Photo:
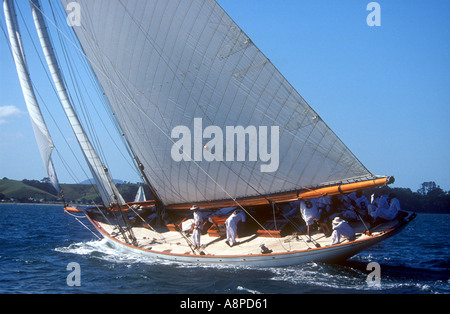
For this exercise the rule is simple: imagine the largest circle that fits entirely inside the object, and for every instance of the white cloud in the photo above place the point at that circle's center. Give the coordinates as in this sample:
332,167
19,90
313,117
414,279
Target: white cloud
9,111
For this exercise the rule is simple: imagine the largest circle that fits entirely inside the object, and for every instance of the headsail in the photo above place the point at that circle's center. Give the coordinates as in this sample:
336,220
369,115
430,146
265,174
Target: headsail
107,189
41,132
140,195
164,64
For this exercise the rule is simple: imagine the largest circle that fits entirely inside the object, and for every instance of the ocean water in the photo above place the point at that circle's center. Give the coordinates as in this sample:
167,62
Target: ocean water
37,242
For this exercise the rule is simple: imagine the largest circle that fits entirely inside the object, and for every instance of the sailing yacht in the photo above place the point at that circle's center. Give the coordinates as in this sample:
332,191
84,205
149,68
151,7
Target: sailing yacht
210,122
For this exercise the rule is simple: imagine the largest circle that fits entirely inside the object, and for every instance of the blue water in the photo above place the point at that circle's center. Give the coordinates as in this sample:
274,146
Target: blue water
38,242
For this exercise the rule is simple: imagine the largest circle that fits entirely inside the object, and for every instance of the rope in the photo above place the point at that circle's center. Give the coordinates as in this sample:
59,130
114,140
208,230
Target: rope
76,218
137,214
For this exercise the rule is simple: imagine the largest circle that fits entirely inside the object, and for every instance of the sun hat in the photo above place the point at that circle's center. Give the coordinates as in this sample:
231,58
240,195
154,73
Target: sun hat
337,221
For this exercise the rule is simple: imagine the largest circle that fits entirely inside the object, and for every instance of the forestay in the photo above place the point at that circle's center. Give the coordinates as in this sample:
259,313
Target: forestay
162,64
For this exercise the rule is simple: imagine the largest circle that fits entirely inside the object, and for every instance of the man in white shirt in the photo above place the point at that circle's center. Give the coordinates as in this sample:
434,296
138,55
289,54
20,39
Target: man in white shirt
197,226
394,205
362,204
341,229
384,210
232,224
311,214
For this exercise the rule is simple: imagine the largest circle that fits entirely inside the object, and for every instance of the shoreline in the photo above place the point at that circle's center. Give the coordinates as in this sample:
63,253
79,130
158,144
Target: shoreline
44,204
87,205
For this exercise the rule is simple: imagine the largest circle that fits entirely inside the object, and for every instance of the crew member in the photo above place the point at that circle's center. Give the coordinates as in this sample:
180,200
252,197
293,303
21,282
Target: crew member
362,204
394,205
385,210
311,215
341,229
197,226
231,224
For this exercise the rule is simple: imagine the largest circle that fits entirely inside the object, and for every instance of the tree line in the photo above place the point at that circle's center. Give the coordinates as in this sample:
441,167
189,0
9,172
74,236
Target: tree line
429,198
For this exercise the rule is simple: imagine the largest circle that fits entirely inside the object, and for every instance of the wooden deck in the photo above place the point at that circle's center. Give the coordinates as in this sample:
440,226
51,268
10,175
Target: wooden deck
175,242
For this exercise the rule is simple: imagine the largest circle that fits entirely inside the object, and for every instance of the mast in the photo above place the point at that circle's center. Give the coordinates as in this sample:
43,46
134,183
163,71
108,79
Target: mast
159,204
43,138
107,189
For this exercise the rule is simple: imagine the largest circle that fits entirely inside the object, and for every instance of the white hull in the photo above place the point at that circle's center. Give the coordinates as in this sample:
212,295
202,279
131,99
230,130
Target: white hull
329,253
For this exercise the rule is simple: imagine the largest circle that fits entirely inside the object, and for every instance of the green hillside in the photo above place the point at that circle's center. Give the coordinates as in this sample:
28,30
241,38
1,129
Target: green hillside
37,191
19,191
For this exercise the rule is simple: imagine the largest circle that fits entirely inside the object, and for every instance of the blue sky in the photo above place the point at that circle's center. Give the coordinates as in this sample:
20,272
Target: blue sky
385,91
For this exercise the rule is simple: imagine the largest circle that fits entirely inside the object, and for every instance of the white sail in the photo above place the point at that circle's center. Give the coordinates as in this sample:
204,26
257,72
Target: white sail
164,64
107,189
41,132
140,195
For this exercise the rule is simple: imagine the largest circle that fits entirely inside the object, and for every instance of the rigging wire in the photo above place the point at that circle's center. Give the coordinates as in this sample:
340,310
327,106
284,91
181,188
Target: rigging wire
53,87
71,76
79,81
77,218
64,162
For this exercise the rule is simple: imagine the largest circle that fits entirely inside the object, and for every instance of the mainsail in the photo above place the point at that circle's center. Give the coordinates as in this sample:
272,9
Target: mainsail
164,64
107,189
41,133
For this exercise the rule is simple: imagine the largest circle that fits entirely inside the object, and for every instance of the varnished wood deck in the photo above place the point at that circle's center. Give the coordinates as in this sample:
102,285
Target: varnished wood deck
173,242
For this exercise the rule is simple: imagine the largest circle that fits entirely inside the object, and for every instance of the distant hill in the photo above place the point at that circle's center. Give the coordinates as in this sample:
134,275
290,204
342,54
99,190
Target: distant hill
18,190
26,191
